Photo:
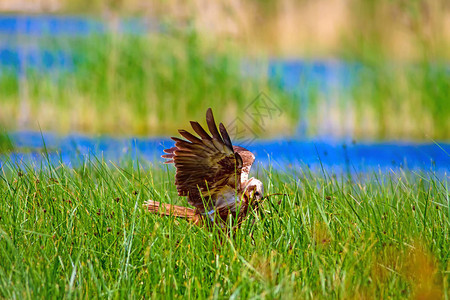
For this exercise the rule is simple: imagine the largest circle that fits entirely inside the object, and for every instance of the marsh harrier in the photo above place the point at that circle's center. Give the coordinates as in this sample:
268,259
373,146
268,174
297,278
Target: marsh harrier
213,175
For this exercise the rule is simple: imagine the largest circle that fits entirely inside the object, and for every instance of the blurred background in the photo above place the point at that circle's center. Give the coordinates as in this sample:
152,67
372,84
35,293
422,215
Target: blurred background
346,75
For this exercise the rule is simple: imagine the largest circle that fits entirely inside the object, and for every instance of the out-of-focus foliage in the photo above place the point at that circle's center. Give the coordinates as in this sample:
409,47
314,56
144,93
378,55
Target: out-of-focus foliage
5,142
138,84
398,29
155,83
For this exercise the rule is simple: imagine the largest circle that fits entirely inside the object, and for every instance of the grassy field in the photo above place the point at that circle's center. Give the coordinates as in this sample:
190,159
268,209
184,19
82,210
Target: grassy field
83,233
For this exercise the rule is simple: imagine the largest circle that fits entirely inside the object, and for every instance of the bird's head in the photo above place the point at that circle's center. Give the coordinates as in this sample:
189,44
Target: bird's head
254,189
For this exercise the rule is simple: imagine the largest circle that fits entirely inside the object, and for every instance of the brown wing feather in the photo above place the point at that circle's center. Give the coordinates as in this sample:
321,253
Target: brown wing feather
200,131
206,166
225,136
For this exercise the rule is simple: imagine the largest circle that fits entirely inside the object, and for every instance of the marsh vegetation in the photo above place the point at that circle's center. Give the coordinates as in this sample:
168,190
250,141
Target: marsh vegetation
76,232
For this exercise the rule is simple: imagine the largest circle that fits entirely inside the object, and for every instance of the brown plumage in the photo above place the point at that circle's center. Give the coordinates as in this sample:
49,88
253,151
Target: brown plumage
212,174
173,210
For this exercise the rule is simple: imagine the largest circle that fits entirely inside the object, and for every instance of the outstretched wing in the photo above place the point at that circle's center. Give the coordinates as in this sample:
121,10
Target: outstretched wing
206,166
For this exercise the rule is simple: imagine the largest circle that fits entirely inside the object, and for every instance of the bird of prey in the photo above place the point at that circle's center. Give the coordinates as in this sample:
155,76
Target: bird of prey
213,175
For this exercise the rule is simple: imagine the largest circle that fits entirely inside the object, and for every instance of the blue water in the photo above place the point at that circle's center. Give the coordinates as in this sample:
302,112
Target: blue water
21,48
333,157
38,42
64,25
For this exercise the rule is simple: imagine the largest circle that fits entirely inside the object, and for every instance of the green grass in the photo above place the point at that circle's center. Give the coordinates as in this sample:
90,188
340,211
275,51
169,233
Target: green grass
83,233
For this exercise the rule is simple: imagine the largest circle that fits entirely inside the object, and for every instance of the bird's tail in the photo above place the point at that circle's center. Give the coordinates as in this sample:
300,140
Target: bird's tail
165,209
